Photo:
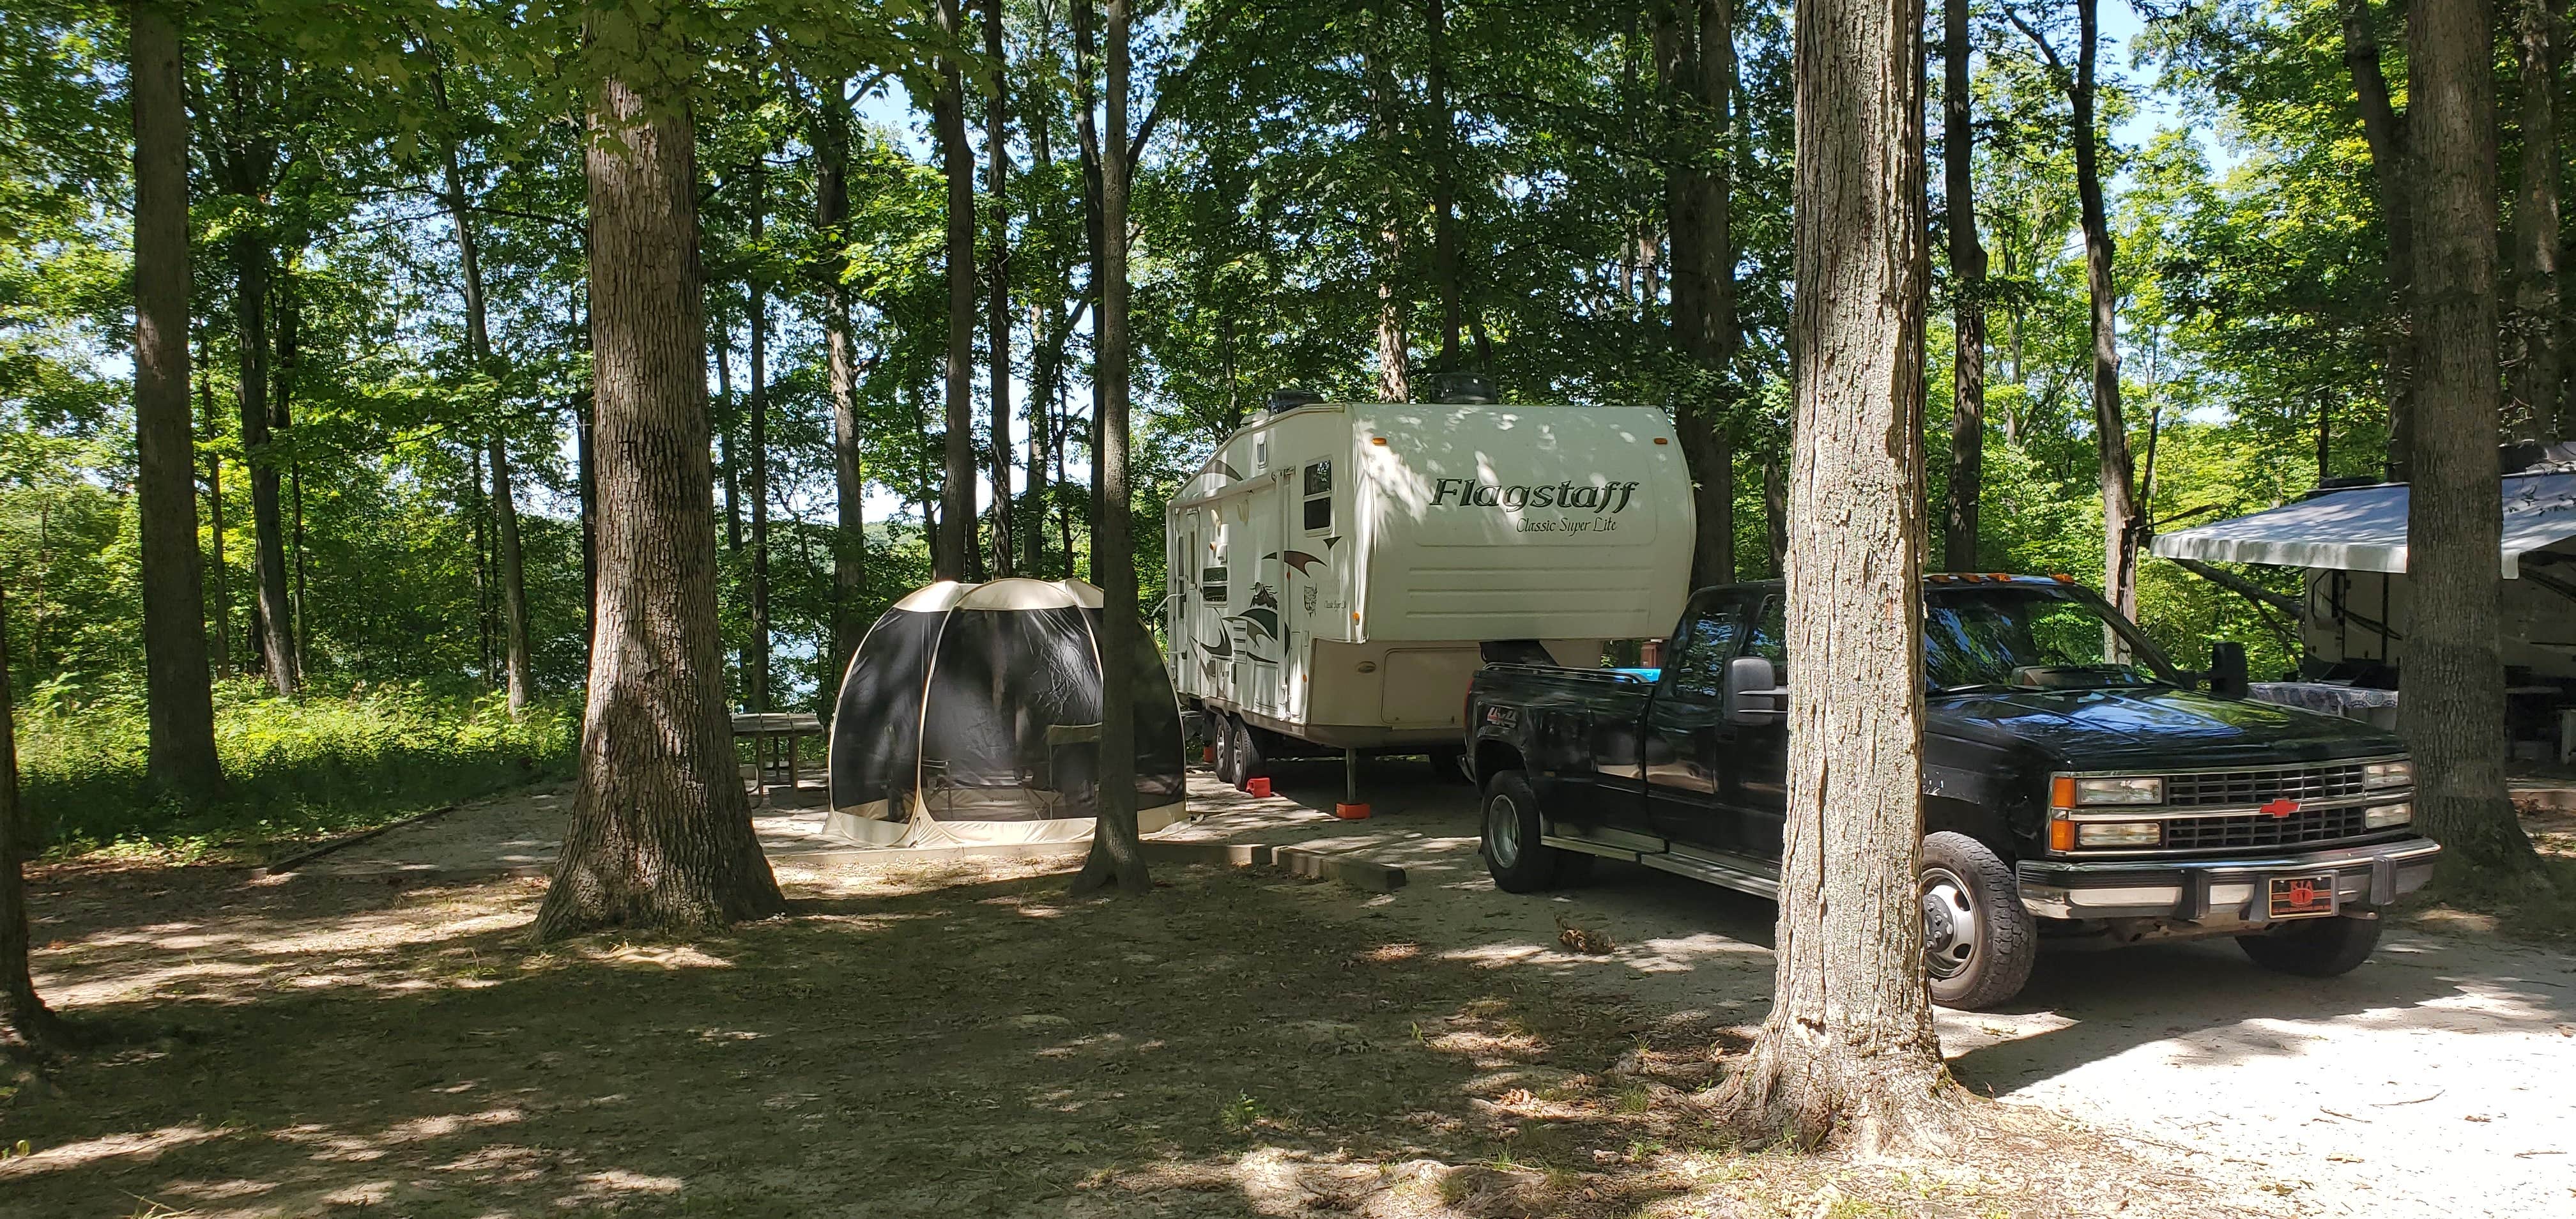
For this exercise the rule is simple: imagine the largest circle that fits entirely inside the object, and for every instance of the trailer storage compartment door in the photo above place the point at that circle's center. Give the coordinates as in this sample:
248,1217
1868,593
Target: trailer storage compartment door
1427,687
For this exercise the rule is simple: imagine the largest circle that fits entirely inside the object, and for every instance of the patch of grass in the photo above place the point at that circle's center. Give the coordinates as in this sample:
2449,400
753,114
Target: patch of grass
294,769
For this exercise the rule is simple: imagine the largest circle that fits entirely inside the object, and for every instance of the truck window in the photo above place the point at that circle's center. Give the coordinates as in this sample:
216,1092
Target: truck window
1771,636
1704,645
1319,496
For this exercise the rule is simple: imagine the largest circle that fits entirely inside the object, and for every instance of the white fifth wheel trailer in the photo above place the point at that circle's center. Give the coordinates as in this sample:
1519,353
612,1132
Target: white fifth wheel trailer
1338,571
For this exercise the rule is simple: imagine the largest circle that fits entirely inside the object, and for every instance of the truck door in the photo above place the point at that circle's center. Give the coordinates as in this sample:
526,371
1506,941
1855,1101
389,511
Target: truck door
1689,746
1757,787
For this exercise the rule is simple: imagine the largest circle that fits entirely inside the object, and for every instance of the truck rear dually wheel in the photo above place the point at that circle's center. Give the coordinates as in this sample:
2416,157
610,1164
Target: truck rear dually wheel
1979,941
1519,862
2314,948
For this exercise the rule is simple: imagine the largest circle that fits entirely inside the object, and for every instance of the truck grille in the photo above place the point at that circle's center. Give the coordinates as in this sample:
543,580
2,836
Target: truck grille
2263,830
2242,787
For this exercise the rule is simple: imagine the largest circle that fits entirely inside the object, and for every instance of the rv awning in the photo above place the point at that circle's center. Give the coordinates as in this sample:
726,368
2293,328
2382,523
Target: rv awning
2364,529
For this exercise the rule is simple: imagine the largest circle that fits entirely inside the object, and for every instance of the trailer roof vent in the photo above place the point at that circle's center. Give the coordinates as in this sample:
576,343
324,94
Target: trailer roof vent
1291,399
1464,388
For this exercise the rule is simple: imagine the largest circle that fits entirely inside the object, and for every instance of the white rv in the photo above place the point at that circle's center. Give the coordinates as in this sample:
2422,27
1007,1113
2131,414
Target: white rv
1337,568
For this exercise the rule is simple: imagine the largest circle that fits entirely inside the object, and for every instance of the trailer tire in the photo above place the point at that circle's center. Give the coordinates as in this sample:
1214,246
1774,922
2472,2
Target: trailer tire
1222,726
1979,941
2314,948
1248,762
1515,858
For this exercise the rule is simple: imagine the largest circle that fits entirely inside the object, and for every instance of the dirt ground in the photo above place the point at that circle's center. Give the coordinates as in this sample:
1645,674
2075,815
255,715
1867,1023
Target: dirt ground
956,1039
960,1039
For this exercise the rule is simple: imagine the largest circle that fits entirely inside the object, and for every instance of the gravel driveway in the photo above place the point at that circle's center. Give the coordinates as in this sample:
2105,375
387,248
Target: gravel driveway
2437,1080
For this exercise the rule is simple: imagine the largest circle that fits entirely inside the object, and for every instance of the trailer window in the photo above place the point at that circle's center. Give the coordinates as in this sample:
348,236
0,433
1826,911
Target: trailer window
1319,496
1212,585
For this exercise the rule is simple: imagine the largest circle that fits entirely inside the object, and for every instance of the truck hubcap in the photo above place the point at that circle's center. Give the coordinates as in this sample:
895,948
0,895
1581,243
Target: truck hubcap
1503,831
1949,924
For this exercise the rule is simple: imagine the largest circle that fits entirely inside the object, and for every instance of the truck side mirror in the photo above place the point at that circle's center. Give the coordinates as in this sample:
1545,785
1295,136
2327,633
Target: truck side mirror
1753,692
2227,671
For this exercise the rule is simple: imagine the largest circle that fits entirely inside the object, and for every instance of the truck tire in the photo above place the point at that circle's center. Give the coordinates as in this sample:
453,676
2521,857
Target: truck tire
1248,762
1979,941
1449,765
1509,842
1222,729
2314,948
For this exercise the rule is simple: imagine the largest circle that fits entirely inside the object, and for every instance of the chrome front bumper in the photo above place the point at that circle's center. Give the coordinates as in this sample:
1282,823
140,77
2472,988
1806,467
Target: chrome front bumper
2219,890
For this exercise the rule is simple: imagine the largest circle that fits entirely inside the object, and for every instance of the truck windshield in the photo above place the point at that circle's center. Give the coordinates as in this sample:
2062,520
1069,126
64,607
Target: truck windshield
2033,637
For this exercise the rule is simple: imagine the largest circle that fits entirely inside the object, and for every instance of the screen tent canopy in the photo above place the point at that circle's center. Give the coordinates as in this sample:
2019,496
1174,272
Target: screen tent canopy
2364,528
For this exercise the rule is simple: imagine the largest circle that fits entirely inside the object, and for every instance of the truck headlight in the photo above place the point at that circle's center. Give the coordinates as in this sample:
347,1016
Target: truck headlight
2386,815
2137,790
2399,773
2119,833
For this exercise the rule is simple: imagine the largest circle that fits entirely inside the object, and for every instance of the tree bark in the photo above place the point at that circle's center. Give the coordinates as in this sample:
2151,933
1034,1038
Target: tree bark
505,509
2453,712
849,467
1695,45
27,1026
2385,130
661,833
178,689
1117,857
755,653
2533,336
1849,1045
956,540
723,416
1968,296
997,131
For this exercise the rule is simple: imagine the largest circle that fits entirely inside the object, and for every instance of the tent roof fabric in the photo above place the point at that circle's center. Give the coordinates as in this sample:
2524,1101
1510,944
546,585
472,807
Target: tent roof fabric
2364,529
1011,594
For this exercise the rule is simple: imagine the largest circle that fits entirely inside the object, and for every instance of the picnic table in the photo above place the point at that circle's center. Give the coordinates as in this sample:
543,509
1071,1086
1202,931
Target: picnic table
767,730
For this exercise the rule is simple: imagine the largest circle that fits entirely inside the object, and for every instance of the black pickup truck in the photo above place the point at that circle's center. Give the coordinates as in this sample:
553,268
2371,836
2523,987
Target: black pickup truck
2075,784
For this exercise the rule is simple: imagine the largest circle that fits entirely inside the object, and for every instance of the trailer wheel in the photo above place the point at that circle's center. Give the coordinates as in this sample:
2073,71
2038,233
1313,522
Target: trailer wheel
1515,857
1222,729
1248,762
1979,941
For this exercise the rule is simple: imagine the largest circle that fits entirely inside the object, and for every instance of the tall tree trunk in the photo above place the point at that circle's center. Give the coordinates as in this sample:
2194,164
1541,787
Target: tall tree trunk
505,510
2453,712
1444,179
724,439
997,132
221,635
2534,332
250,256
956,540
2116,474
1116,857
1968,296
849,468
1394,343
2386,132
1085,56
27,1026
661,829
755,654
178,690
585,457
1849,1045
1695,58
